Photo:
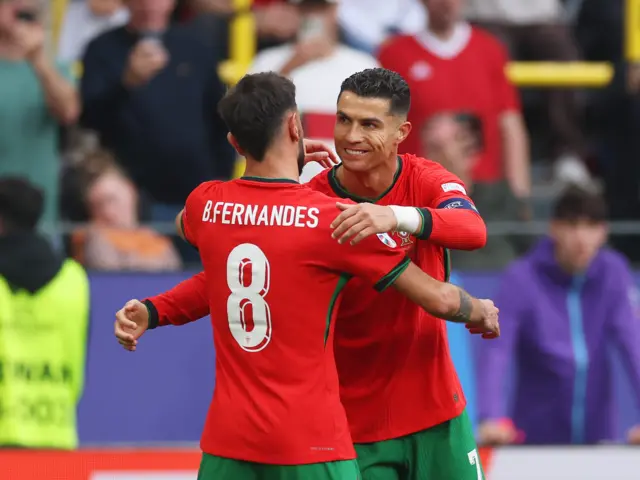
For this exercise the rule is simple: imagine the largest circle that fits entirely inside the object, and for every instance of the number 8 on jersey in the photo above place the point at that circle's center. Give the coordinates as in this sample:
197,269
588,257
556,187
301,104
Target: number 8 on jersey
248,313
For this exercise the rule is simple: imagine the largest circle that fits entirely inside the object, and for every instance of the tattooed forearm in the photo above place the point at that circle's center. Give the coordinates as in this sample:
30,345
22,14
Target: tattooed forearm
463,314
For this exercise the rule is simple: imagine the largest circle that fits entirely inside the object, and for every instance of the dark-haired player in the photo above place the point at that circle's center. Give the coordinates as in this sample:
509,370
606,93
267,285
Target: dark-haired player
274,282
404,402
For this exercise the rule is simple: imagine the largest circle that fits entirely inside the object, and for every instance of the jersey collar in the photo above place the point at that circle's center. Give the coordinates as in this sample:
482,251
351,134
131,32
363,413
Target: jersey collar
269,180
446,49
343,193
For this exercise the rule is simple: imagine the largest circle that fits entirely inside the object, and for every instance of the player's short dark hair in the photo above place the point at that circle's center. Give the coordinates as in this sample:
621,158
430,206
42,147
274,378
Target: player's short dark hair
577,203
380,83
254,108
21,205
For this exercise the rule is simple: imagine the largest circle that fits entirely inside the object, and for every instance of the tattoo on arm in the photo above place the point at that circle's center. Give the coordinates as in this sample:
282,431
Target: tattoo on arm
463,315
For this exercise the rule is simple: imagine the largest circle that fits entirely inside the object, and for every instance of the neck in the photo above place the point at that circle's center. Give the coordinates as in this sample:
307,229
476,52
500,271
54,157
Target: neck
272,166
443,31
566,266
372,183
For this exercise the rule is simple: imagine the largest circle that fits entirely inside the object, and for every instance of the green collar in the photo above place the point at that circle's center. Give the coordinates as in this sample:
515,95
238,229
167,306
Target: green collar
343,193
269,180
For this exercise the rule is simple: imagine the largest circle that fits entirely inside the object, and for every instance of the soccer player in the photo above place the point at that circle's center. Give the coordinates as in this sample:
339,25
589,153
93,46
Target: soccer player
404,402
275,275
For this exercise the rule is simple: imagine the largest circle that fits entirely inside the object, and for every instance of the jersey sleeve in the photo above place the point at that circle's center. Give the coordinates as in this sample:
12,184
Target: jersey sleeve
377,259
439,188
449,217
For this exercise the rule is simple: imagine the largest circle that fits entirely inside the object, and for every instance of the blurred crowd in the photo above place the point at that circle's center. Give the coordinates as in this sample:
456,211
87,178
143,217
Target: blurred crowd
112,117
113,113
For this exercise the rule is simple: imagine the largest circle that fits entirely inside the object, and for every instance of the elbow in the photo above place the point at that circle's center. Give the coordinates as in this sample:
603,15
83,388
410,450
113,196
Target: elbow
479,240
476,235
69,113
69,117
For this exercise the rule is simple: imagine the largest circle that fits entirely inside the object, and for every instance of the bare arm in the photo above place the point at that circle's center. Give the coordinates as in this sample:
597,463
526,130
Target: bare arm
444,300
515,151
60,94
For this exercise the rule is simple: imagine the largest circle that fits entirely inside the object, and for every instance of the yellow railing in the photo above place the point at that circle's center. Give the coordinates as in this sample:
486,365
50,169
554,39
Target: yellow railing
524,74
242,43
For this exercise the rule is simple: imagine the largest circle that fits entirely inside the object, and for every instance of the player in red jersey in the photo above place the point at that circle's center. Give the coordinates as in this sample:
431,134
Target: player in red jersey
272,266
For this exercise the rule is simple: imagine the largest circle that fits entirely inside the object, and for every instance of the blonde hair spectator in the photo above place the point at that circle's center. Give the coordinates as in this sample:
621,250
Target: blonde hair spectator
114,239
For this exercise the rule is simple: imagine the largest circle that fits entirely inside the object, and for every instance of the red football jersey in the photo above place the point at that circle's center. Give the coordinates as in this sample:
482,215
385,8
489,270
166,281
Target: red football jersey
275,276
396,373
473,83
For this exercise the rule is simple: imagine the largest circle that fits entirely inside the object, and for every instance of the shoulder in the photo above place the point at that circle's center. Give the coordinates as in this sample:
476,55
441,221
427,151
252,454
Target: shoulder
487,42
427,172
106,40
271,58
320,182
205,188
614,263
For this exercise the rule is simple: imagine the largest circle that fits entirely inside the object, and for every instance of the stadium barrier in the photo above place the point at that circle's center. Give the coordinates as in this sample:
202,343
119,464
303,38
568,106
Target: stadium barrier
514,463
167,384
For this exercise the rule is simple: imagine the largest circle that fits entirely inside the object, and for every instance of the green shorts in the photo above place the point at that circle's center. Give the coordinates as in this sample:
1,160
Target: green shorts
218,468
445,452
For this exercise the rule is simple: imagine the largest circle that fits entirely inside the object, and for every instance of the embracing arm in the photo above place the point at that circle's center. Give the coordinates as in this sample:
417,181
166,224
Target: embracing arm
447,301
448,218
184,303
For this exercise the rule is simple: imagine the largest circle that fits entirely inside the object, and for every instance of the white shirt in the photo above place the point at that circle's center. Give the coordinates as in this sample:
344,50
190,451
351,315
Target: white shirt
515,12
80,26
317,88
371,21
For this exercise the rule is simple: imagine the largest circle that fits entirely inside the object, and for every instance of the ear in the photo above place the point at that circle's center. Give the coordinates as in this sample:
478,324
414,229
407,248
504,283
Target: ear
403,131
234,143
294,126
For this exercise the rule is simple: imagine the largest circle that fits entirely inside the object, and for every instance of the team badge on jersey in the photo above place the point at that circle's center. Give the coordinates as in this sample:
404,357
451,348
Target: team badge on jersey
387,240
405,238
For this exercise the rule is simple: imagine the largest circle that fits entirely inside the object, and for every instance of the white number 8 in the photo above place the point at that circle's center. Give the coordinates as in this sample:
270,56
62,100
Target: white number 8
243,261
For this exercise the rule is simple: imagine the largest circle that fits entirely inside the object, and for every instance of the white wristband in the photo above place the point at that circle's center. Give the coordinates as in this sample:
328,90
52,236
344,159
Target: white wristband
408,218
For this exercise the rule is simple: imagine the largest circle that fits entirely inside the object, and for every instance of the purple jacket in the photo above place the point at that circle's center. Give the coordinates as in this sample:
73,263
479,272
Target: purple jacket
557,334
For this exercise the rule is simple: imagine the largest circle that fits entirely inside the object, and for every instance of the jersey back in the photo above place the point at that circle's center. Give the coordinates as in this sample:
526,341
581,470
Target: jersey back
395,369
274,277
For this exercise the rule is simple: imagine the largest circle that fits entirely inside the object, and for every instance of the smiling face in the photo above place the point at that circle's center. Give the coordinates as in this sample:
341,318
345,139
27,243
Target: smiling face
366,133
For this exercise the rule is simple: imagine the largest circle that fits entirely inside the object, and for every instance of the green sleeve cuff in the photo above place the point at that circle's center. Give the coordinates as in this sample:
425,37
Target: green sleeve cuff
427,224
391,277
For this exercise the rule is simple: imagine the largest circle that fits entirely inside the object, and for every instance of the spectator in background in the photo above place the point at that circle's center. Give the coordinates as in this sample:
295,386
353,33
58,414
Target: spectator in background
453,142
277,21
366,25
86,19
150,90
563,305
537,31
44,318
453,67
36,98
114,239
317,63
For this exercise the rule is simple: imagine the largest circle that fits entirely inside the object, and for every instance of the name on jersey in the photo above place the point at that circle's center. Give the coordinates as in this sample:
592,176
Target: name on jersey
260,215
